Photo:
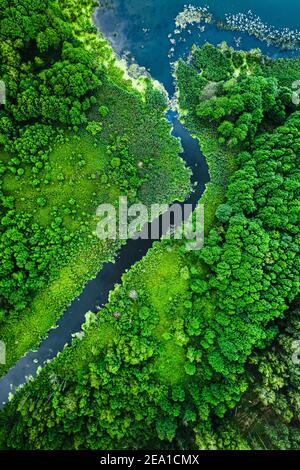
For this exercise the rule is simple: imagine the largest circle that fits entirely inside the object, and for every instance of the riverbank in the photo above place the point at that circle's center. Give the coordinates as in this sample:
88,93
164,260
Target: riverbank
221,161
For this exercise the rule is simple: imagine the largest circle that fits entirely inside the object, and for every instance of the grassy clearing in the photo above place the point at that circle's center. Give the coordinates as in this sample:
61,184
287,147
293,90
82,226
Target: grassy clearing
64,179
167,288
160,282
149,138
221,164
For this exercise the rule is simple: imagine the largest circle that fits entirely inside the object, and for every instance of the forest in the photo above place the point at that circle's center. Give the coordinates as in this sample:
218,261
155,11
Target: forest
224,319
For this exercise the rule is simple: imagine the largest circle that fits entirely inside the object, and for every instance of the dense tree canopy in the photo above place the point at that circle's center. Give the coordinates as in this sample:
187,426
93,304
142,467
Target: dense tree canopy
234,91
253,258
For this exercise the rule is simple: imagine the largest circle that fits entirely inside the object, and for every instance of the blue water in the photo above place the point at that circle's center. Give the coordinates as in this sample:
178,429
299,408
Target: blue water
125,23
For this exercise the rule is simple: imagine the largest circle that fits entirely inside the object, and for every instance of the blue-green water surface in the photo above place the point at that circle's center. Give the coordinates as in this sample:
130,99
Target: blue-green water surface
142,29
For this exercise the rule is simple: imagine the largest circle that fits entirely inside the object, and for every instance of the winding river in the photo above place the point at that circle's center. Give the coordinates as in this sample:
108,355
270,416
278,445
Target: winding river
144,33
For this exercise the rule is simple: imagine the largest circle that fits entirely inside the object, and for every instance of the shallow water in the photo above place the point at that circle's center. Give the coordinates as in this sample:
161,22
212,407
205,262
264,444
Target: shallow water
142,28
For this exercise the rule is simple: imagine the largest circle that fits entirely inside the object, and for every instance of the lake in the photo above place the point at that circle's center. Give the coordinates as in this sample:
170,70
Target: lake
140,29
